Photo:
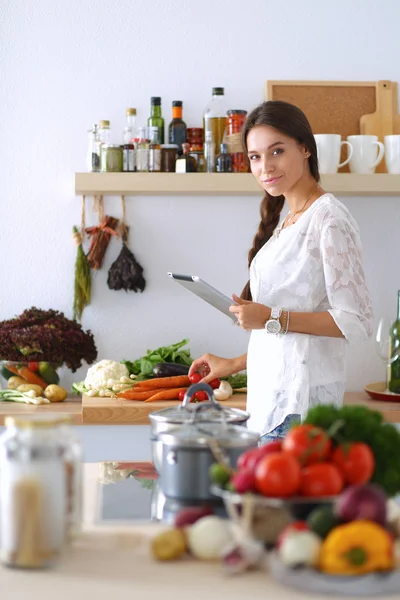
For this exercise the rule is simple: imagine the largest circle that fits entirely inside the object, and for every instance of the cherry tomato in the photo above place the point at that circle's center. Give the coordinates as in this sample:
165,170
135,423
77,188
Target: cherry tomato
201,396
355,461
251,458
215,383
33,365
278,475
181,395
321,479
292,528
307,443
195,377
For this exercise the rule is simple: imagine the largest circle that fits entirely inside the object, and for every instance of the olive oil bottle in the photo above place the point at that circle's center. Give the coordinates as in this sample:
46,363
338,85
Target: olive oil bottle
394,377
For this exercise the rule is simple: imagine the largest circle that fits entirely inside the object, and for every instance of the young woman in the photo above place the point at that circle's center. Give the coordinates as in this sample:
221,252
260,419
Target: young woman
307,296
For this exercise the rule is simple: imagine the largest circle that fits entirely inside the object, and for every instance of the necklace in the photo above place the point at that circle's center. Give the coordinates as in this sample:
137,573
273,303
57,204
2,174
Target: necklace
287,221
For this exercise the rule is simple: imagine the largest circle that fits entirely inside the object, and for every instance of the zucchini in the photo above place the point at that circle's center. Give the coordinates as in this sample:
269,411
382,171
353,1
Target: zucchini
166,369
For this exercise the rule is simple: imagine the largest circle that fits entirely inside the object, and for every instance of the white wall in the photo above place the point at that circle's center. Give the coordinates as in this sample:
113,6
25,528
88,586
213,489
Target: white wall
65,65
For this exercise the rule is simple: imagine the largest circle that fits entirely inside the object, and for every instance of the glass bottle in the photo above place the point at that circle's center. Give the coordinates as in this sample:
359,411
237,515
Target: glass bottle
93,153
223,162
155,154
177,128
185,163
209,152
235,121
214,118
128,157
104,132
131,122
394,372
142,152
72,453
156,121
34,497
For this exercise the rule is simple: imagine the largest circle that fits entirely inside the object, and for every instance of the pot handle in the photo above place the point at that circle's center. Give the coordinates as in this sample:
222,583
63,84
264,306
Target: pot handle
200,387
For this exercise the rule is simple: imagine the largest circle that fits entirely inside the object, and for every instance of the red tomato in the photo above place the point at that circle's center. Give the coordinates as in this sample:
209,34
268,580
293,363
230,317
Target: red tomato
278,475
195,377
355,461
181,395
33,365
292,528
321,479
307,443
215,383
252,457
201,396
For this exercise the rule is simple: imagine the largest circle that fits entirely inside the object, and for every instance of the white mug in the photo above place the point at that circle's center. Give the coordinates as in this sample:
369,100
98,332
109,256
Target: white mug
392,153
329,146
365,148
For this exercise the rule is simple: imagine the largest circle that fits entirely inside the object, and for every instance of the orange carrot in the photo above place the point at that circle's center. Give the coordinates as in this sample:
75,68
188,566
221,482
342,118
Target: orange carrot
31,377
163,382
170,394
133,394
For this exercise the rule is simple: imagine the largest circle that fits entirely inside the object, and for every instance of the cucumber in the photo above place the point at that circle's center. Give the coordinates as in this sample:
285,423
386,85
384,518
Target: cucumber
166,369
48,373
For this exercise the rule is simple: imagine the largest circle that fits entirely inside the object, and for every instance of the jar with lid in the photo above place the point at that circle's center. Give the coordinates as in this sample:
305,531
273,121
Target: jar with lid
169,153
236,120
111,158
195,139
33,512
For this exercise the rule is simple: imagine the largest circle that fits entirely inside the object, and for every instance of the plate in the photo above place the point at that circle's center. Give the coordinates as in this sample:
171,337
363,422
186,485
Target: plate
310,580
376,391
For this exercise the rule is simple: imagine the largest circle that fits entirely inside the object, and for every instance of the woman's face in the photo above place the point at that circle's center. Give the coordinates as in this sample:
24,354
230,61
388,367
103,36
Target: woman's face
277,161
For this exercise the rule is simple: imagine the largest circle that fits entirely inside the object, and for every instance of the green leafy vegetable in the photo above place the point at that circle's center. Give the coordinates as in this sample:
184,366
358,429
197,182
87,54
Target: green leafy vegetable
360,424
79,388
143,367
237,381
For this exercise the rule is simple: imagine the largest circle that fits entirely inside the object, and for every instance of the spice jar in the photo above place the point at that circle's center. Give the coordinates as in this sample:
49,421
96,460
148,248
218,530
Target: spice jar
168,157
235,122
33,491
111,158
195,139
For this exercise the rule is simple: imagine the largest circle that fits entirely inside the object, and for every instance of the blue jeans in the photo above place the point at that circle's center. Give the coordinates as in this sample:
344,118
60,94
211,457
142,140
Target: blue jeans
279,432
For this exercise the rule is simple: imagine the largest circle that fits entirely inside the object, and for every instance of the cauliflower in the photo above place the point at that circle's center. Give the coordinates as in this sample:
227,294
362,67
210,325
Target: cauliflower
104,373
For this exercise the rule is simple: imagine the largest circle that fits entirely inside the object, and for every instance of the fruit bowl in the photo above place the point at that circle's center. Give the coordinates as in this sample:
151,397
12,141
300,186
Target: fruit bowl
39,373
269,516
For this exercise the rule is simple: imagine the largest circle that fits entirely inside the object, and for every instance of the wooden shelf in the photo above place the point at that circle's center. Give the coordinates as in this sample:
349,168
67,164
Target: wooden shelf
222,184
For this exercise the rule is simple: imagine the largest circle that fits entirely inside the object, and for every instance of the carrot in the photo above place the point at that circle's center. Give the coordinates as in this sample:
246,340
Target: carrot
170,394
12,369
133,394
31,377
163,382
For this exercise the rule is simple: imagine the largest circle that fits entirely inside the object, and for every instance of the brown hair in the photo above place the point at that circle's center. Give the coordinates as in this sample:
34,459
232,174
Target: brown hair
291,121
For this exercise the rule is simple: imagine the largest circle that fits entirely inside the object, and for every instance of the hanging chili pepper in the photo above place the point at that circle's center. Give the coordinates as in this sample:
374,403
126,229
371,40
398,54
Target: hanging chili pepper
101,236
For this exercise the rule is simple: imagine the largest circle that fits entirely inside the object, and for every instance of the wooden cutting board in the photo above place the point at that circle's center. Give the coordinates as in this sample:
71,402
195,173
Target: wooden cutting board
385,120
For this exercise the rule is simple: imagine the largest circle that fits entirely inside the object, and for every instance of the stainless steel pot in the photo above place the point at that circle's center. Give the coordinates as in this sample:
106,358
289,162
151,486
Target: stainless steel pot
187,455
168,419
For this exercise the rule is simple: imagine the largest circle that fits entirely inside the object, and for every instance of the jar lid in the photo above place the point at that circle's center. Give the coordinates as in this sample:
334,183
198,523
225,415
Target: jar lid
177,103
200,435
36,421
131,111
170,146
182,414
155,100
111,146
236,112
104,123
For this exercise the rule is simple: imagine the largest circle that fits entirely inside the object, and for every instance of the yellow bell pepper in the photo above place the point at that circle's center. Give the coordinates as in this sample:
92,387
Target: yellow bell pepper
356,548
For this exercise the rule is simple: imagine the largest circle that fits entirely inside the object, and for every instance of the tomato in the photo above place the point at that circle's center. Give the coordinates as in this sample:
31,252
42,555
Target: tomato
215,383
321,479
201,396
292,528
33,365
307,443
195,377
181,395
355,461
278,475
251,458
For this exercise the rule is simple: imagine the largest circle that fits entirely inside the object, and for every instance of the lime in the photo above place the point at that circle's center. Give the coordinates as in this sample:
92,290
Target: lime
322,519
219,474
48,373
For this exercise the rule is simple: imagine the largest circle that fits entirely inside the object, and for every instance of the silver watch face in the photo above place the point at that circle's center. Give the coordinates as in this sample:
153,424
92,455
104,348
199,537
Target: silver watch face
273,326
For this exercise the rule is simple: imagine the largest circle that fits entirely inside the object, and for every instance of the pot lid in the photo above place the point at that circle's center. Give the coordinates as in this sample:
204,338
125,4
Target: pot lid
200,435
182,414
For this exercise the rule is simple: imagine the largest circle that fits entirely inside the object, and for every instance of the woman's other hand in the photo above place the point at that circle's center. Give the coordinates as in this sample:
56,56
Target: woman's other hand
212,367
250,315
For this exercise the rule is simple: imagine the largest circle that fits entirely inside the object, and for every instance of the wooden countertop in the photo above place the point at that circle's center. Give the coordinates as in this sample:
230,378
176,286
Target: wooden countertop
72,407
114,411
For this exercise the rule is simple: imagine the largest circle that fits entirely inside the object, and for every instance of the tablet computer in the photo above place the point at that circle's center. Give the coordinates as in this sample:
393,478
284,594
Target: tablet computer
206,292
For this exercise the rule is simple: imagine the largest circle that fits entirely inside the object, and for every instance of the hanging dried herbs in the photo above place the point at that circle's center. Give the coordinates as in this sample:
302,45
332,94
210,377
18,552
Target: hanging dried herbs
125,273
82,282
101,236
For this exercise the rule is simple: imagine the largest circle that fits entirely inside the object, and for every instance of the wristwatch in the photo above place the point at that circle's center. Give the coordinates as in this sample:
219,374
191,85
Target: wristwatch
273,324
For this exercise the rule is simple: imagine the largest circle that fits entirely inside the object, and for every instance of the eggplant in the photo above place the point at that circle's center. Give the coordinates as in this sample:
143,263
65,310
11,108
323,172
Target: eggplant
166,369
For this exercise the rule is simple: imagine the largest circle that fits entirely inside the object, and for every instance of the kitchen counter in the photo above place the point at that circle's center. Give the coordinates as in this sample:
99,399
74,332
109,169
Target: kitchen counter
72,407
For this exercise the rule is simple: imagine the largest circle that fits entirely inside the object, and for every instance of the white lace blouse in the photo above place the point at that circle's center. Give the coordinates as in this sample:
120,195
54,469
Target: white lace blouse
314,265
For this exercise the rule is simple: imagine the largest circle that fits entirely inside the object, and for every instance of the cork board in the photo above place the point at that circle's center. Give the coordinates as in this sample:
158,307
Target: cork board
330,106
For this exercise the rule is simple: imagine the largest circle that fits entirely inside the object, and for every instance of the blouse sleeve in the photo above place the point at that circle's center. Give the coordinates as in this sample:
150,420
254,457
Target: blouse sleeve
345,281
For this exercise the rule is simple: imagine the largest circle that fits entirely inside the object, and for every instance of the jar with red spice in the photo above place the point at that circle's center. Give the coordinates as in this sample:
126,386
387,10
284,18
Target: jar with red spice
235,121
195,139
